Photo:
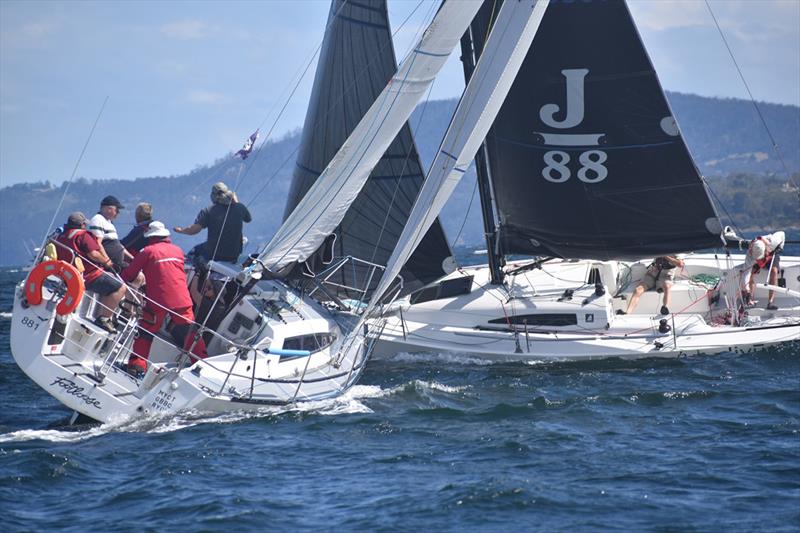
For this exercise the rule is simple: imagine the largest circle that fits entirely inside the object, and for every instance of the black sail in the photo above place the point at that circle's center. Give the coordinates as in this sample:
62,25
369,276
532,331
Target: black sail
586,159
356,61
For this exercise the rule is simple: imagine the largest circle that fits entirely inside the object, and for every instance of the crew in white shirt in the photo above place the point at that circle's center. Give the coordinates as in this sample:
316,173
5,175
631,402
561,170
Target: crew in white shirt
764,252
102,227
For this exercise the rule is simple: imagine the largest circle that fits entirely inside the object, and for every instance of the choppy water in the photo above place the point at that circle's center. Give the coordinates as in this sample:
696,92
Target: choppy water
706,443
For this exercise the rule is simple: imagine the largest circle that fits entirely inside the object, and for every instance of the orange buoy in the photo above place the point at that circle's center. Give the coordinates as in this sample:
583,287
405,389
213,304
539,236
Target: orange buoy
68,274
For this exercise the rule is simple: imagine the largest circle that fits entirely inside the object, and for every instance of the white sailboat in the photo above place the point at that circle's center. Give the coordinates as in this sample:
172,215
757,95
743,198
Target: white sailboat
268,342
586,169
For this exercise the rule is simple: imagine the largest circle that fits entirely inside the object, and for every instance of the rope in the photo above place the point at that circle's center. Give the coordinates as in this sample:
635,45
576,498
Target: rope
72,176
466,215
752,99
349,89
417,234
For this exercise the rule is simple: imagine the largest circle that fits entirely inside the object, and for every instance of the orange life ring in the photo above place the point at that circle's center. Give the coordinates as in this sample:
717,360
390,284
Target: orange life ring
68,273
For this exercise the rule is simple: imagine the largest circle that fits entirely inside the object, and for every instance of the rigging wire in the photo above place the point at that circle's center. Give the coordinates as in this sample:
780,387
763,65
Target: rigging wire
752,99
331,109
457,129
74,171
408,155
299,75
466,215
335,187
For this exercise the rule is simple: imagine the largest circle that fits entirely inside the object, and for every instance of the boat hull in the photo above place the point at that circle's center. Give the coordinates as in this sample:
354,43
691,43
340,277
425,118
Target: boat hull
482,324
80,375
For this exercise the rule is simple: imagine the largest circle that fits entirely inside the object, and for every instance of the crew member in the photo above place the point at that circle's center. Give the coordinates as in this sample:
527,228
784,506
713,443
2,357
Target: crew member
763,253
102,226
225,219
75,241
660,274
134,241
166,294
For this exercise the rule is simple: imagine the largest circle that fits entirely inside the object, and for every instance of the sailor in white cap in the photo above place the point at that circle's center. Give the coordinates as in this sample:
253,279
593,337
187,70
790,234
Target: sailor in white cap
763,253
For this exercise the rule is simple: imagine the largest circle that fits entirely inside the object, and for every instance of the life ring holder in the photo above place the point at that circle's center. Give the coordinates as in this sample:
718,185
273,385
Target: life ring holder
67,273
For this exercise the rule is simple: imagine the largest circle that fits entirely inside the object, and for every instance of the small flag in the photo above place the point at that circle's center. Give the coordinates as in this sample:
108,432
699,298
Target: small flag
248,146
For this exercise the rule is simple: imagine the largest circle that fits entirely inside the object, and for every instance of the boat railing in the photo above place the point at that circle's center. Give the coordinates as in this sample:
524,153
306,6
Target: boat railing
118,349
364,273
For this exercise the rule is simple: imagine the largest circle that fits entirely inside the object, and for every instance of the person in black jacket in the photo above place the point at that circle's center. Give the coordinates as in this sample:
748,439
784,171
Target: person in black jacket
135,240
225,219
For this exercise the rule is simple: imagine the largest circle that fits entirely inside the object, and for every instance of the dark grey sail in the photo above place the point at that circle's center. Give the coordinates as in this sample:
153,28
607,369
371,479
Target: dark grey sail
585,157
356,61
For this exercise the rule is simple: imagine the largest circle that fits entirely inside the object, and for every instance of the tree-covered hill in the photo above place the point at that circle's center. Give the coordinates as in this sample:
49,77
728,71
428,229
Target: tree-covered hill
726,137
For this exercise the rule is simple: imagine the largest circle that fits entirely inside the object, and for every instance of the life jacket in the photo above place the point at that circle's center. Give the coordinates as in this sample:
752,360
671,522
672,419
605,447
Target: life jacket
659,265
68,251
766,260
663,264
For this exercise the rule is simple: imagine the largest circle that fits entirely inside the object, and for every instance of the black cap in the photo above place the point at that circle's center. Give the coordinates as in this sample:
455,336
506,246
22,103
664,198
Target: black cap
112,200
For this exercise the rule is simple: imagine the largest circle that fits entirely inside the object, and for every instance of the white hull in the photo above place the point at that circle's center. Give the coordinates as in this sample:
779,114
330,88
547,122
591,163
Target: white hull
479,323
83,367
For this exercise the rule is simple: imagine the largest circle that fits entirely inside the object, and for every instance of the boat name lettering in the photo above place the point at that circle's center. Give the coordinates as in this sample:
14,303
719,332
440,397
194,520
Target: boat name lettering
72,388
162,401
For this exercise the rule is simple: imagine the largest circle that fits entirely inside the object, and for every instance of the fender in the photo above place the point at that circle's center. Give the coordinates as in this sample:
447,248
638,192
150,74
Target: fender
68,274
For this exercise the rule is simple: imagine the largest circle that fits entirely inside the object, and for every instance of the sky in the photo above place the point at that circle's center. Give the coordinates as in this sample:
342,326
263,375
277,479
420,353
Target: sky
184,83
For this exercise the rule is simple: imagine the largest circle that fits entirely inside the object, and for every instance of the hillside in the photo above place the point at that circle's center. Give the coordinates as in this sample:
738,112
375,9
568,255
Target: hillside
724,135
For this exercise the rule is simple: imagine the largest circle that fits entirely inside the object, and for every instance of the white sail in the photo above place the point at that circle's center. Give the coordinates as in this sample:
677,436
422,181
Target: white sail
500,61
326,203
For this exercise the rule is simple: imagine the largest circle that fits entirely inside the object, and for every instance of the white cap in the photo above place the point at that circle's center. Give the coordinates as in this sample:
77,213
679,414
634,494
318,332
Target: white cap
756,251
156,229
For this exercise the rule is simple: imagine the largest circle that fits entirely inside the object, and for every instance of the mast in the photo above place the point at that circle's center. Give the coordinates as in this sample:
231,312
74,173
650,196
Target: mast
496,259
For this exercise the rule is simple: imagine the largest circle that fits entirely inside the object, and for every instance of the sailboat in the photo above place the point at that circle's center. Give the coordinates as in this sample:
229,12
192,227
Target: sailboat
585,169
270,341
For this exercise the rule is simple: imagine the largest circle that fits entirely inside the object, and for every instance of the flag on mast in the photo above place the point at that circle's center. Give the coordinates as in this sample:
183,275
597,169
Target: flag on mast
248,146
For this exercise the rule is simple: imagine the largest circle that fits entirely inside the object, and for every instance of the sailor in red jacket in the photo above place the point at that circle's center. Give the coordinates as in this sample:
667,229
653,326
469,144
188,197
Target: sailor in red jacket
166,293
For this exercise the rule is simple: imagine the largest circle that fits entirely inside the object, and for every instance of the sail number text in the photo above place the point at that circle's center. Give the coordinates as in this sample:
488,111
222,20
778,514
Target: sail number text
591,168
590,163
29,322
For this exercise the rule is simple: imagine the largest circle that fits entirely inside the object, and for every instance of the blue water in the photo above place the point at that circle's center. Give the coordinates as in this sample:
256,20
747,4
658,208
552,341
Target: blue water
443,443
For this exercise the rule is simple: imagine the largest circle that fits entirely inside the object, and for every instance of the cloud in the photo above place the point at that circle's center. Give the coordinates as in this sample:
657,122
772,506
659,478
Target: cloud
660,16
745,20
200,96
186,29
194,29
30,35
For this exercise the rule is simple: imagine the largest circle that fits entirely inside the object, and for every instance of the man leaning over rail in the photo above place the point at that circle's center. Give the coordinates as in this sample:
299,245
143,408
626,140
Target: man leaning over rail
763,252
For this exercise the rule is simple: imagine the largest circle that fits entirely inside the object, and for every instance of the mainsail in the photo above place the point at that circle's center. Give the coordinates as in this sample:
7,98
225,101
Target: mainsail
325,204
356,60
585,157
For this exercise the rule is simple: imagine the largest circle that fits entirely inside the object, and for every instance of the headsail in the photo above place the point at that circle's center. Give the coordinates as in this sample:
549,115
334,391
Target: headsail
586,158
517,23
356,60
324,206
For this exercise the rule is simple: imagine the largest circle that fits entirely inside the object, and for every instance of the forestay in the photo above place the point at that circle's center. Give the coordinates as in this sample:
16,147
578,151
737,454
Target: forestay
517,23
325,204
585,157
356,60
